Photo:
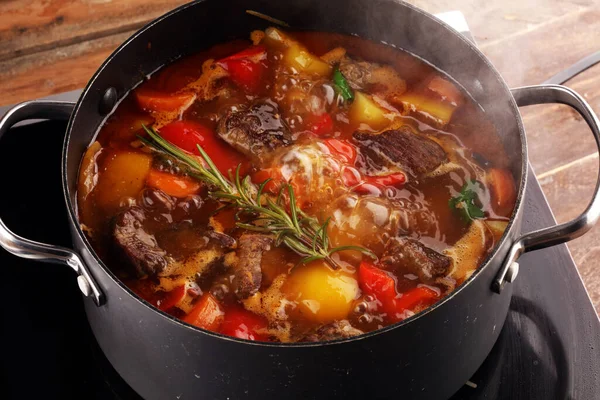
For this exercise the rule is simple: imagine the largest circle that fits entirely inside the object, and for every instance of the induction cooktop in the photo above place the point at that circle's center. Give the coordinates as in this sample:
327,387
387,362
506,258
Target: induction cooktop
549,347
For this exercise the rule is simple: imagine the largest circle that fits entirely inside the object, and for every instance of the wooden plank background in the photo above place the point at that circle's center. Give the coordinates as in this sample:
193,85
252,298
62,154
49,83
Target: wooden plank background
52,46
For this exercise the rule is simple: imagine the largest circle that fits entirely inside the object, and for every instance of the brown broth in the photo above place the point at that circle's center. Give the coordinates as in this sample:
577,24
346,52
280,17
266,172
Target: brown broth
180,224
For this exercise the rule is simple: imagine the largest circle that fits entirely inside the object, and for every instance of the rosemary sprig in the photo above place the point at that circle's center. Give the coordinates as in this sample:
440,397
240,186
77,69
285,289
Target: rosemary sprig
295,229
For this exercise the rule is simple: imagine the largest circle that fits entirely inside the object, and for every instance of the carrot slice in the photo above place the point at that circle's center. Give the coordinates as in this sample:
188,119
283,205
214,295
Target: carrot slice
151,100
173,185
503,190
207,313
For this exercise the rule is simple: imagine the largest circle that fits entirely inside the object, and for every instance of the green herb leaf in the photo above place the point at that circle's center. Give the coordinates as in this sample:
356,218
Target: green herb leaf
342,85
465,201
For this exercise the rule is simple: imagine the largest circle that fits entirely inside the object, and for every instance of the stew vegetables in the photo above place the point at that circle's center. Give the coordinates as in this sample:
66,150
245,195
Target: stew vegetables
297,187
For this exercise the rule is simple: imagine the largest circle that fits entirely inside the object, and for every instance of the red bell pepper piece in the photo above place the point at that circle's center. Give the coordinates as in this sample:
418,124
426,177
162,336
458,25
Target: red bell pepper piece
269,173
189,134
378,283
320,124
351,176
151,100
382,286
207,313
374,184
243,324
396,179
371,184
246,68
419,296
342,149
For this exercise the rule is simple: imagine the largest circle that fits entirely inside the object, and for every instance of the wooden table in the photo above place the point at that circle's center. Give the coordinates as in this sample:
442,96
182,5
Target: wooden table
54,46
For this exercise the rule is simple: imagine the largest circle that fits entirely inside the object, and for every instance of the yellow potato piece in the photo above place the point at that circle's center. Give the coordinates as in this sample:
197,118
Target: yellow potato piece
323,295
124,175
296,56
437,110
302,61
365,111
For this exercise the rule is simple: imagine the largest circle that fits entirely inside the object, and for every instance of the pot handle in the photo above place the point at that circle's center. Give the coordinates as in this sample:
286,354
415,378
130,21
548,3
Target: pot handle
543,94
19,246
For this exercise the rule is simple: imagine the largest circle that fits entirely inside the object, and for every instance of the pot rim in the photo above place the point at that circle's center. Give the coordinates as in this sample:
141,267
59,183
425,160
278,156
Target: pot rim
484,265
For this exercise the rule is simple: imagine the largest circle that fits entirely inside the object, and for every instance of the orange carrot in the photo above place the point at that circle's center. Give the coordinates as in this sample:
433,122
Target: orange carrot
173,185
151,100
207,313
503,190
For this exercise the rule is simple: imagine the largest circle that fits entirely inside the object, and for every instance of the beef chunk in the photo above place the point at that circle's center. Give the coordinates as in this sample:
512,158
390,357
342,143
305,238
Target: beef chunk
411,256
401,148
336,330
373,77
223,239
357,73
138,245
248,274
255,131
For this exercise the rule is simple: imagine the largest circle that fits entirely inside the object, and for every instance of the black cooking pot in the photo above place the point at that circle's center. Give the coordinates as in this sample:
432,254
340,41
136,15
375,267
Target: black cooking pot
427,356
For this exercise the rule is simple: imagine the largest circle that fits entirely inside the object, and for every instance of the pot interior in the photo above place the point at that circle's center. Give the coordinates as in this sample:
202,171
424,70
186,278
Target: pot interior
199,25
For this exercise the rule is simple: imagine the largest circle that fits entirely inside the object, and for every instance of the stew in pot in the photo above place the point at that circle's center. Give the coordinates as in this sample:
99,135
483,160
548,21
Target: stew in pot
300,186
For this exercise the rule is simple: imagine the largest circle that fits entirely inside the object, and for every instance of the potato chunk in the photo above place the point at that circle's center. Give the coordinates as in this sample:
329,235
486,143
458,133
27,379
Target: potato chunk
123,175
302,61
365,111
323,295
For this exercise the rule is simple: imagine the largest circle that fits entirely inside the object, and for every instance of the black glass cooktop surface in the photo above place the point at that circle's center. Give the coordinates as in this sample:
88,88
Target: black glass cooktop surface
549,347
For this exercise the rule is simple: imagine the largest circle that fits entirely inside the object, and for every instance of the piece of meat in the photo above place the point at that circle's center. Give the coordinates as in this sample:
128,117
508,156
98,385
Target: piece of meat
255,131
410,256
248,274
357,73
401,148
372,77
138,245
224,240
416,221
333,331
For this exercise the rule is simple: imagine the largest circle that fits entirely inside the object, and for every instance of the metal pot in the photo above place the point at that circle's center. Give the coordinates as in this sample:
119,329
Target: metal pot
429,355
